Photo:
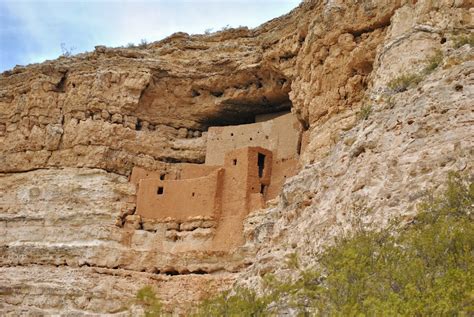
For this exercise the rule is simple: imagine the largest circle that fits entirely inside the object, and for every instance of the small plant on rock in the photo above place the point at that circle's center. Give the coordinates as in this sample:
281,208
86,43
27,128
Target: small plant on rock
241,302
462,40
433,62
147,298
292,261
404,82
409,80
364,112
143,43
226,28
66,52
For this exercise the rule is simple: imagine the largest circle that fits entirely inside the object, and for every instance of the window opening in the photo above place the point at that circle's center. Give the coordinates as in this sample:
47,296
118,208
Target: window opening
138,125
160,190
261,164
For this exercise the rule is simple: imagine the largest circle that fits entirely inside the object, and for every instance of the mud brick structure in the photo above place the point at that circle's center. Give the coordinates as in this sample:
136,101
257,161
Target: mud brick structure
246,165
281,135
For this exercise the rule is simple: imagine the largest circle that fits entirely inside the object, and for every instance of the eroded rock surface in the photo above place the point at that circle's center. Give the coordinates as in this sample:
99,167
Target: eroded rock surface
362,172
72,129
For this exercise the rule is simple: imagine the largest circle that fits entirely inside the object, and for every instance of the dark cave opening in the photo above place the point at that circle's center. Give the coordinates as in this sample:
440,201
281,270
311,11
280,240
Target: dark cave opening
61,85
244,110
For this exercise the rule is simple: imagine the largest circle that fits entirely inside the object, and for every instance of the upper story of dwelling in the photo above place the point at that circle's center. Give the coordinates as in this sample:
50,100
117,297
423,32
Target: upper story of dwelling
279,133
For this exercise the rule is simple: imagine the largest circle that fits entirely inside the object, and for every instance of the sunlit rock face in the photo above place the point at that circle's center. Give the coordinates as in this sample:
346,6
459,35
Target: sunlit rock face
72,129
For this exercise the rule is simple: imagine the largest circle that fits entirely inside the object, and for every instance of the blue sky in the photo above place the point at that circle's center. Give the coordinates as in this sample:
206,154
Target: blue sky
32,31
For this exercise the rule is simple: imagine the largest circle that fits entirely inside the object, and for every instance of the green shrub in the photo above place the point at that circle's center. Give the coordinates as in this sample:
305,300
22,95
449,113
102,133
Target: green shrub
143,43
405,81
242,302
364,112
146,297
463,40
433,62
292,261
425,268
226,28
67,52
409,80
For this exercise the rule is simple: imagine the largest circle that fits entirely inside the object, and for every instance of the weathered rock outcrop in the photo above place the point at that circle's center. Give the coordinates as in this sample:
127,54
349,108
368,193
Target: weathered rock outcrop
71,130
381,162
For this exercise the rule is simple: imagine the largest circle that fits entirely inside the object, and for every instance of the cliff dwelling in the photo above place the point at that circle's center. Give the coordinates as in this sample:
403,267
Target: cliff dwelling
202,206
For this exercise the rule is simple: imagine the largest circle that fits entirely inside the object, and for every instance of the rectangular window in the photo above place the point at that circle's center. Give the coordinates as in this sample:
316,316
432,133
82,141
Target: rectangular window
160,190
234,161
261,164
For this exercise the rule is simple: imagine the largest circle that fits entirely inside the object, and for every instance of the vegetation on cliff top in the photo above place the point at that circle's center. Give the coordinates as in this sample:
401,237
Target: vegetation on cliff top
423,268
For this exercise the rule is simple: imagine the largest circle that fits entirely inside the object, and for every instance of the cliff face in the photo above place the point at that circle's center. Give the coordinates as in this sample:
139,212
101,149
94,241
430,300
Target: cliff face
72,129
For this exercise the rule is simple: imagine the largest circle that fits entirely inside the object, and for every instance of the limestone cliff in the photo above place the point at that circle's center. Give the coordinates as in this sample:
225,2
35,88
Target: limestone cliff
72,129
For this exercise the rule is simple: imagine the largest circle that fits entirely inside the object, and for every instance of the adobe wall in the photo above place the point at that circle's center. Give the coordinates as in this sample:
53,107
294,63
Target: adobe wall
179,171
242,172
241,192
180,199
188,171
235,185
139,173
281,136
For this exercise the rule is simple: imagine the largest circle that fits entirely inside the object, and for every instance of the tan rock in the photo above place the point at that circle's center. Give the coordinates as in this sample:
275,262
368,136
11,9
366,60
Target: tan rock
133,222
117,118
182,133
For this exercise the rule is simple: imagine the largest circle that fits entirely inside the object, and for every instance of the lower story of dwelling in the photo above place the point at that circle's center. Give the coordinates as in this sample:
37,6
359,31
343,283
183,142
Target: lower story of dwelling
201,207
248,178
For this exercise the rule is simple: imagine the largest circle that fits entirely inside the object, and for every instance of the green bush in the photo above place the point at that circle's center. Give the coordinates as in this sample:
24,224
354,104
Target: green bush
67,52
433,62
146,297
463,40
364,112
405,81
242,302
409,80
143,44
425,268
